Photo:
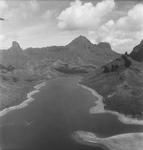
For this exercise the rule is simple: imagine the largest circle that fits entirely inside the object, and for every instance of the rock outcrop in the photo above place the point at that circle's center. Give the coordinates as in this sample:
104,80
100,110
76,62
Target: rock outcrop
137,53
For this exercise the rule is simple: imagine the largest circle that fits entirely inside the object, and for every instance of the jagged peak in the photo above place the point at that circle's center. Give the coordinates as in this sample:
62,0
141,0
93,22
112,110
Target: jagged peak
15,46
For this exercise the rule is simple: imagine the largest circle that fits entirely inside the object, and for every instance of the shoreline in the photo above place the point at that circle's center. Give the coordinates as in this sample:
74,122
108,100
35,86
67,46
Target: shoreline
99,108
77,137
27,98
26,101
129,141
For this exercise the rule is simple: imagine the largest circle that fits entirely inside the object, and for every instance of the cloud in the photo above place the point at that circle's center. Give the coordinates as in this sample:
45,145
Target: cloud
20,16
18,9
123,33
3,7
133,21
84,15
31,21
49,15
2,37
34,5
23,10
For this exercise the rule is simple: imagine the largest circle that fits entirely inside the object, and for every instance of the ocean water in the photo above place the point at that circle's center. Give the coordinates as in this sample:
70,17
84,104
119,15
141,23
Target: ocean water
48,122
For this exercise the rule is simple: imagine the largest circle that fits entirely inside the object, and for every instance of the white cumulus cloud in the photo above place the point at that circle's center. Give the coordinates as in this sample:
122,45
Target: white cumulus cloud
85,15
133,21
123,33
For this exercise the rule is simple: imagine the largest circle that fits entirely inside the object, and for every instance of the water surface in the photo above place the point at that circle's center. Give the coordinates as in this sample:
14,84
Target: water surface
59,109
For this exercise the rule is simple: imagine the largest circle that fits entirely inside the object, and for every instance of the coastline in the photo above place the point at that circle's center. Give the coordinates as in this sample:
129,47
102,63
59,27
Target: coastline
125,141
78,138
25,102
129,141
99,108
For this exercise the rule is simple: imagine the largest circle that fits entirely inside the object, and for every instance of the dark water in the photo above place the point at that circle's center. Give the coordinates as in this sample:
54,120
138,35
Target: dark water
47,123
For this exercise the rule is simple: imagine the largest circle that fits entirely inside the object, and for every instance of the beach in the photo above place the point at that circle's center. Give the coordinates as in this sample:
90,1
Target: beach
130,141
99,108
25,102
79,138
127,141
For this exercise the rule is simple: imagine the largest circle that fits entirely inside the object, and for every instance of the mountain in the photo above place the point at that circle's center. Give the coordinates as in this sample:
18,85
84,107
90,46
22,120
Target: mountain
39,61
137,53
13,56
80,43
120,83
80,51
15,47
118,78
21,69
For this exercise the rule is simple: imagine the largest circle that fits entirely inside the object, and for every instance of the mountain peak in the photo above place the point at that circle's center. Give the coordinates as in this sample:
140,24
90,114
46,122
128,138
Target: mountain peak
80,41
81,38
15,46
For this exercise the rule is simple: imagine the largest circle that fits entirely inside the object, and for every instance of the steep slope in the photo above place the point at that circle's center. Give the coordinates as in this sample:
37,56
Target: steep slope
137,53
80,51
120,83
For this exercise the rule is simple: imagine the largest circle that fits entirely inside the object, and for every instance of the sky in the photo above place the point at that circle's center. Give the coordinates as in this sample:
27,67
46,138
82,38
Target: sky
40,23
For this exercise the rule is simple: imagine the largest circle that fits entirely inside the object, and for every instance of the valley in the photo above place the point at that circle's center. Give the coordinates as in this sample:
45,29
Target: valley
20,69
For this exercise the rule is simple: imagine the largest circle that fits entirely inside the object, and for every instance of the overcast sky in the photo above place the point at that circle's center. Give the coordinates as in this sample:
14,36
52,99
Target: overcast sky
38,23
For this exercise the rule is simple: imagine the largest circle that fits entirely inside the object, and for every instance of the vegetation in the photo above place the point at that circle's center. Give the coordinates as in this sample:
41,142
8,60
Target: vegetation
127,106
8,68
120,84
117,64
127,61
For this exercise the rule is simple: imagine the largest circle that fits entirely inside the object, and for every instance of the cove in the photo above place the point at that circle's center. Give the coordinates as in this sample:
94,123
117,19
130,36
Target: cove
59,109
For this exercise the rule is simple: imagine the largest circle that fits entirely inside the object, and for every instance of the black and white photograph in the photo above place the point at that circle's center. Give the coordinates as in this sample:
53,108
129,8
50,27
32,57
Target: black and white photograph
71,74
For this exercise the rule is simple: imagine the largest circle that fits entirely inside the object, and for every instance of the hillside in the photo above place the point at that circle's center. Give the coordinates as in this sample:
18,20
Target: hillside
137,53
120,83
21,69
78,52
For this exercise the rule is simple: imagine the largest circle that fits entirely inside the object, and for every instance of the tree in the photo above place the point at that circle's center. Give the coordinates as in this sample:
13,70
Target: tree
127,61
106,69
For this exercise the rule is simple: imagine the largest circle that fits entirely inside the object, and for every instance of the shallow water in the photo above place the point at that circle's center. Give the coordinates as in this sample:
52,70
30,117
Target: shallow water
59,109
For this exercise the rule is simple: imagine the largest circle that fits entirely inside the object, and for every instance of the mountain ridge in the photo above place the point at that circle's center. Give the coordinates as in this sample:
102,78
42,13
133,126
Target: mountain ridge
79,51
